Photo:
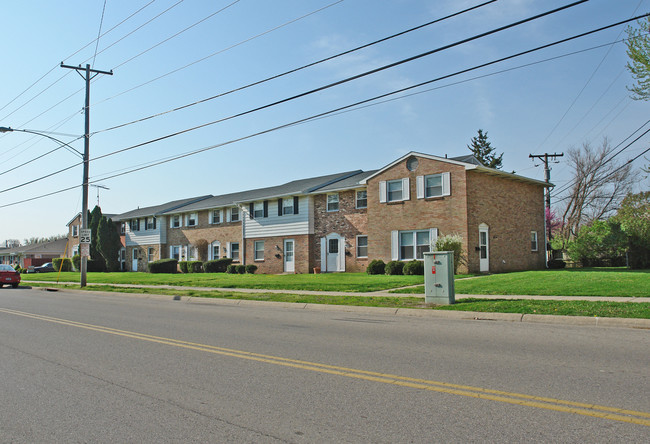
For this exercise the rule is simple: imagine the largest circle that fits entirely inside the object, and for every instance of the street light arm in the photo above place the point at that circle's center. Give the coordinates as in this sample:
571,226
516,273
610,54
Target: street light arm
8,129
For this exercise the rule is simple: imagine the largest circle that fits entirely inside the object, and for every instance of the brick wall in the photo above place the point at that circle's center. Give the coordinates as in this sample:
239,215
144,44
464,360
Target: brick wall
273,262
511,209
448,214
143,256
203,234
348,222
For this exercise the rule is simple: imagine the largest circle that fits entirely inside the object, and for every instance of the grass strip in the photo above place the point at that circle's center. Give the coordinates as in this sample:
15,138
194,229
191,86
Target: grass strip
524,306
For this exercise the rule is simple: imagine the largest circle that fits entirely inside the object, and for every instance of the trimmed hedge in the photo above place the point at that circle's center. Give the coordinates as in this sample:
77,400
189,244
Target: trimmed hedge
67,264
241,269
231,269
183,266
76,262
395,268
217,265
376,266
414,267
163,266
194,267
251,269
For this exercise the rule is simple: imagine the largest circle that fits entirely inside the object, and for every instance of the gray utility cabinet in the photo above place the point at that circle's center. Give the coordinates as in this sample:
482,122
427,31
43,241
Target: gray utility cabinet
439,278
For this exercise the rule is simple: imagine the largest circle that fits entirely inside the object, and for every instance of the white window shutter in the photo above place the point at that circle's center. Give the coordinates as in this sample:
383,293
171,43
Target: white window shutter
342,255
382,191
406,189
228,213
394,245
221,216
419,186
323,254
229,252
433,238
171,252
446,184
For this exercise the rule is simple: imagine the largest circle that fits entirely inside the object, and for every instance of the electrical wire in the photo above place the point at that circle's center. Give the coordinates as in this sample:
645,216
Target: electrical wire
311,117
99,33
259,82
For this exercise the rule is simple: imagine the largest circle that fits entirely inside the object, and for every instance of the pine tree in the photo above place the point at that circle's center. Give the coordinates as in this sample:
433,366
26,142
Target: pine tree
108,243
482,150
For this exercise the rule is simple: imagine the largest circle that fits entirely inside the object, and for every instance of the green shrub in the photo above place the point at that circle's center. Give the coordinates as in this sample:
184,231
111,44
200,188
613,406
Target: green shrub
183,266
194,267
452,242
96,265
231,269
601,243
76,261
164,266
217,265
394,268
251,269
241,269
555,264
376,266
63,264
413,268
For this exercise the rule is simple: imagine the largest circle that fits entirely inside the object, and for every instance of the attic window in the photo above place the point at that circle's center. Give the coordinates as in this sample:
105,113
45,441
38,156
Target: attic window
412,163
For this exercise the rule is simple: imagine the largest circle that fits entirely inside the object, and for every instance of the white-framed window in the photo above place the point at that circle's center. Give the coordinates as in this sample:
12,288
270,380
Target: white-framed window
413,244
75,230
333,202
151,223
175,221
134,224
215,217
394,190
234,214
215,251
433,185
362,246
287,205
150,254
175,252
259,250
75,250
122,228
192,219
533,241
258,210
362,199
234,251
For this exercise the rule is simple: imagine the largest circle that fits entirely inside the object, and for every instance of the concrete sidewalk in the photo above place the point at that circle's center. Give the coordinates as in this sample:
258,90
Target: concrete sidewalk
384,293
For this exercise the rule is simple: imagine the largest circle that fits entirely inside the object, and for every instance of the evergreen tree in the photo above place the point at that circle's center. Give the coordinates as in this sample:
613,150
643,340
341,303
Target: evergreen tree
484,152
93,223
638,50
108,243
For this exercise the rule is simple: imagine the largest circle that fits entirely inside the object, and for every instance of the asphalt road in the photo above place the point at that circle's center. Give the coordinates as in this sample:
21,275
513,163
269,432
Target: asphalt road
85,368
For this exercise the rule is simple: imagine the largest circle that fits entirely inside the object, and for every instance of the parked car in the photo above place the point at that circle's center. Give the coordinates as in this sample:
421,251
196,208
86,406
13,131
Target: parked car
9,276
45,268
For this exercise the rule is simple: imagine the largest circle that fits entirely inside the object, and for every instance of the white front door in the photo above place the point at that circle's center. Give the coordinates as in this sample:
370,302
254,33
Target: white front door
334,254
289,256
134,264
484,246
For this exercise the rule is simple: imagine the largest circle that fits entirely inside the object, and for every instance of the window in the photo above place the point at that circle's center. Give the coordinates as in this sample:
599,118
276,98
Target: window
333,246
258,209
362,199
413,244
394,190
150,254
433,185
134,224
151,223
75,230
175,252
176,221
234,214
533,241
333,202
287,205
122,228
234,251
216,216
362,246
259,250
192,219
215,252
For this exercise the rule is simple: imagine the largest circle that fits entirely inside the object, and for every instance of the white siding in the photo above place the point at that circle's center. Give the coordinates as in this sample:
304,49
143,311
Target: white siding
274,225
146,237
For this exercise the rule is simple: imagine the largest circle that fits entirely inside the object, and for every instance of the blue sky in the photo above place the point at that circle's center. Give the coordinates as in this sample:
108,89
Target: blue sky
544,107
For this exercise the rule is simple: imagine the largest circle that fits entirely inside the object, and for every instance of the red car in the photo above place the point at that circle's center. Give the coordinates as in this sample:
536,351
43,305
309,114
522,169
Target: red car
9,276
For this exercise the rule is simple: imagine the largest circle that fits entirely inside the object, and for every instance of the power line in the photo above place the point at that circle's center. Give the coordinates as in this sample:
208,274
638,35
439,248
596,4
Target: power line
99,33
259,82
314,117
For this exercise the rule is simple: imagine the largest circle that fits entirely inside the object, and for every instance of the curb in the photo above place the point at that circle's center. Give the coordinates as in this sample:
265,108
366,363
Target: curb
410,312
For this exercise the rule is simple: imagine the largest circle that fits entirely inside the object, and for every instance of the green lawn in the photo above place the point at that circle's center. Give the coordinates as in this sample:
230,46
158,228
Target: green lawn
566,308
348,282
571,282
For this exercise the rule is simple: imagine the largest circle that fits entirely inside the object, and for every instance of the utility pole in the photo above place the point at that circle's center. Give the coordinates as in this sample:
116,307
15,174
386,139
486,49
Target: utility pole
86,156
547,178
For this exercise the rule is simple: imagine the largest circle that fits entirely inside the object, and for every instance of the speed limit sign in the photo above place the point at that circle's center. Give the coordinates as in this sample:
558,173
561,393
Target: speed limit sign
84,236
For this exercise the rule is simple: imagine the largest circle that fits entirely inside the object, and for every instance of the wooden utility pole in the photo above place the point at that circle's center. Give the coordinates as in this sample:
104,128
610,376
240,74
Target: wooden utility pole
547,178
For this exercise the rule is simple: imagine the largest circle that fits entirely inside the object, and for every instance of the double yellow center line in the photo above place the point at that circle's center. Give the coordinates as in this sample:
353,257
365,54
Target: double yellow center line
559,405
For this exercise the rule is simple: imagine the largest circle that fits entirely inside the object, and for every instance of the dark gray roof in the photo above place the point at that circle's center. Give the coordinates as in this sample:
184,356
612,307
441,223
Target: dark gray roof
350,182
301,186
57,246
468,159
158,209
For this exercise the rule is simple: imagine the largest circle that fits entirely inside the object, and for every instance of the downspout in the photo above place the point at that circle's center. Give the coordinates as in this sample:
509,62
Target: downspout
243,236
